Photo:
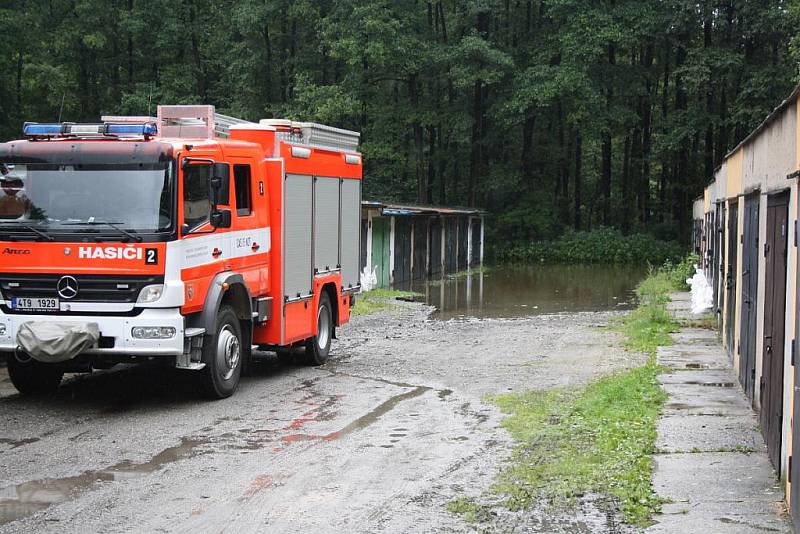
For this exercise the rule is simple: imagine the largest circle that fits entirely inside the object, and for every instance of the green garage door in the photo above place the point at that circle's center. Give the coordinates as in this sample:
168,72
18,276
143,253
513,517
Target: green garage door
381,234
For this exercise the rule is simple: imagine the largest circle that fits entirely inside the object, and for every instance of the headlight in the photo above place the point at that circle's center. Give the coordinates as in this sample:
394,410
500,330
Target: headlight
150,293
153,332
2,329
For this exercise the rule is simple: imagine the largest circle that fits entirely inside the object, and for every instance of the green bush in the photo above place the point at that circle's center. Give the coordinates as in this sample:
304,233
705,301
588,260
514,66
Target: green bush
603,245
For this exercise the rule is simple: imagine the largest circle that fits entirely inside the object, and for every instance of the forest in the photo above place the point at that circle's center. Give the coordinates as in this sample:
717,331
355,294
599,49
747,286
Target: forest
550,114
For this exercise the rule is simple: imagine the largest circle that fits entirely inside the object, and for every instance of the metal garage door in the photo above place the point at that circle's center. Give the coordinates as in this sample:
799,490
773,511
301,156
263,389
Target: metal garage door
747,337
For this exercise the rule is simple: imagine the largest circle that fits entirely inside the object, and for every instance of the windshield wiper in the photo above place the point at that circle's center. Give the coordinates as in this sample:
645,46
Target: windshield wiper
30,228
129,233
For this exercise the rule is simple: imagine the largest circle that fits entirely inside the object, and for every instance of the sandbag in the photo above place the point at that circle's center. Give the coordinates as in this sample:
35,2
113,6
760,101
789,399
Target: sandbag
702,292
52,342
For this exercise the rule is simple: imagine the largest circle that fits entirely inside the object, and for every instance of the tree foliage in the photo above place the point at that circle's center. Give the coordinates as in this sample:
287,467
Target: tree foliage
549,113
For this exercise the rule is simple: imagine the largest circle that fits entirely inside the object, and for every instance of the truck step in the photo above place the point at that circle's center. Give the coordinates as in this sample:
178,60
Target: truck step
192,366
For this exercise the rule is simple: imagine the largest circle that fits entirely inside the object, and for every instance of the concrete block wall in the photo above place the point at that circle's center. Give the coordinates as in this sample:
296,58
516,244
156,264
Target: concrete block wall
766,162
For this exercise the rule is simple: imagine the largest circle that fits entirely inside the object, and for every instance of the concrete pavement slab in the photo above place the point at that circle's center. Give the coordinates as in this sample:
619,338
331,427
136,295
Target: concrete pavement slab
709,433
717,477
722,378
696,336
719,523
692,357
703,400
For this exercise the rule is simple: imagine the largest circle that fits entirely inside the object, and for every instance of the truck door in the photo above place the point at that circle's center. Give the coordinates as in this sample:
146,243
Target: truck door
250,243
205,250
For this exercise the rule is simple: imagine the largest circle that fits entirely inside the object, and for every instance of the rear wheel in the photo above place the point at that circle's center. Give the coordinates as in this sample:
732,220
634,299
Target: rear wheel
223,356
318,347
34,378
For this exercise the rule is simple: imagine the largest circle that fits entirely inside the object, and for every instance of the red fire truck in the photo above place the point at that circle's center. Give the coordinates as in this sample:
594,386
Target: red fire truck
190,238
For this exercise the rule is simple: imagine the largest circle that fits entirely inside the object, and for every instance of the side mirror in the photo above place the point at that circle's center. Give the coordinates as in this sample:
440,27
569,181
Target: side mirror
220,219
219,184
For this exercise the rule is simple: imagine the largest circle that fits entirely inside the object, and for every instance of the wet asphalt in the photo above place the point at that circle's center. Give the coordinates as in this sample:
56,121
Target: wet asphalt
378,439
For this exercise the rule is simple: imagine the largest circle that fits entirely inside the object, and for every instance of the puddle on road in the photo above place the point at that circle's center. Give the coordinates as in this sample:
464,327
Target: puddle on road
14,443
362,422
531,290
31,497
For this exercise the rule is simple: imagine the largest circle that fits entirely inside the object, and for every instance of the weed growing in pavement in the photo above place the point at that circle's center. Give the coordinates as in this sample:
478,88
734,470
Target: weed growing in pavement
707,322
377,300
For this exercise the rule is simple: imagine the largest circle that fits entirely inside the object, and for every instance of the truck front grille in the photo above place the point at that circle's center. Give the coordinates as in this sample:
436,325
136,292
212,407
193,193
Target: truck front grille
91,288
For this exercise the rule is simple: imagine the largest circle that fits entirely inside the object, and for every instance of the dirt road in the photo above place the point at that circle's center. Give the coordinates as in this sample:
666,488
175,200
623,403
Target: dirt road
377,440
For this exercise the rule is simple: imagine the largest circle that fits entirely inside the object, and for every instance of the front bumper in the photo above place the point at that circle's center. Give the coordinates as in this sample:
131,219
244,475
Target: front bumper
114,328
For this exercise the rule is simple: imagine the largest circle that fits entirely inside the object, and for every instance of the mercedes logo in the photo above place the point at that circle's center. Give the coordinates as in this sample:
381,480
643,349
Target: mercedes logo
67,287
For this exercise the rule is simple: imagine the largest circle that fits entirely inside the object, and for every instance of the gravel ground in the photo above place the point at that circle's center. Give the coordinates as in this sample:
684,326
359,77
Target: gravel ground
379,439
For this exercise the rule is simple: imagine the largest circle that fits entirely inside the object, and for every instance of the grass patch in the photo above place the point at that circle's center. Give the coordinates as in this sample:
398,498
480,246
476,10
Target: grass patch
377,300
647,327
650,324
471,511
599,438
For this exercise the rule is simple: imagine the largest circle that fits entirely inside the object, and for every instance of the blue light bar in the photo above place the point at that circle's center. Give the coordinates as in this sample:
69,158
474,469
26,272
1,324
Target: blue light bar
146,129
33,129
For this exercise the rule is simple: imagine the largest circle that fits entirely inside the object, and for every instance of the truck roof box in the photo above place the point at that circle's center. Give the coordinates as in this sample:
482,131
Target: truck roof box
202,122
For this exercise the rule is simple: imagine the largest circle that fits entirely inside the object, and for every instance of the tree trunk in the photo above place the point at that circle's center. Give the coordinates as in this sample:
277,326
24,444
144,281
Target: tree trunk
626,192
416,127
647,114
605,139
268,64
431,165
130,49
578,178
476,156
526,160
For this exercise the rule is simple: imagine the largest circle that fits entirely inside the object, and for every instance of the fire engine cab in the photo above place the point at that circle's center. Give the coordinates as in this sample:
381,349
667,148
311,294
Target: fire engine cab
190,238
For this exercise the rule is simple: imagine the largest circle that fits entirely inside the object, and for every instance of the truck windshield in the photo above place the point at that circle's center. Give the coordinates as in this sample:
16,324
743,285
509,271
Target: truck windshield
75,198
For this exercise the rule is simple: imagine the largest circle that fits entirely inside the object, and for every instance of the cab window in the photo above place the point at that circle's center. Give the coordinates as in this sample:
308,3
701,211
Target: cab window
241,178
196,204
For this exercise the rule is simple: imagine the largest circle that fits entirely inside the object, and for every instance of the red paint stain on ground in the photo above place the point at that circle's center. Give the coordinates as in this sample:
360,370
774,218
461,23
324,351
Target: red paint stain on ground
258,484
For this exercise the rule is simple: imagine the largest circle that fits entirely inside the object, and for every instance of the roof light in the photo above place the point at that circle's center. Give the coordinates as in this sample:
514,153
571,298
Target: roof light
300,152
33,129
84,129
147,129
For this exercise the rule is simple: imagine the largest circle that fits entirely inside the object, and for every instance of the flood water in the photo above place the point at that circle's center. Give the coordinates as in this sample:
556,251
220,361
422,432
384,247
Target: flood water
529,290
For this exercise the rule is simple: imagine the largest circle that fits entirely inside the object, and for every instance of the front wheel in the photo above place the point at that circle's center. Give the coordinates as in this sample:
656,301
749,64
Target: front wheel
223,355
318,347
34,378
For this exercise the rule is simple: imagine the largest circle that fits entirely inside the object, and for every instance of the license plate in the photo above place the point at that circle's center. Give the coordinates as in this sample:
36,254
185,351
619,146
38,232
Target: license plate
35,303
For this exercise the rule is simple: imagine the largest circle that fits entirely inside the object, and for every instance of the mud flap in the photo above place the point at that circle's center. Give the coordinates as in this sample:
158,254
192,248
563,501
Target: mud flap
56,342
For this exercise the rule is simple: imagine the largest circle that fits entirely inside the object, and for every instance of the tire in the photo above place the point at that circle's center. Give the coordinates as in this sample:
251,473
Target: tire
32,377
223,355
318,347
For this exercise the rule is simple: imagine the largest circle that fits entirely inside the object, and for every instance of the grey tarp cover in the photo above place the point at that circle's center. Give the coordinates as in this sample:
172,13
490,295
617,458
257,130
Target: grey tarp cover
52,342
